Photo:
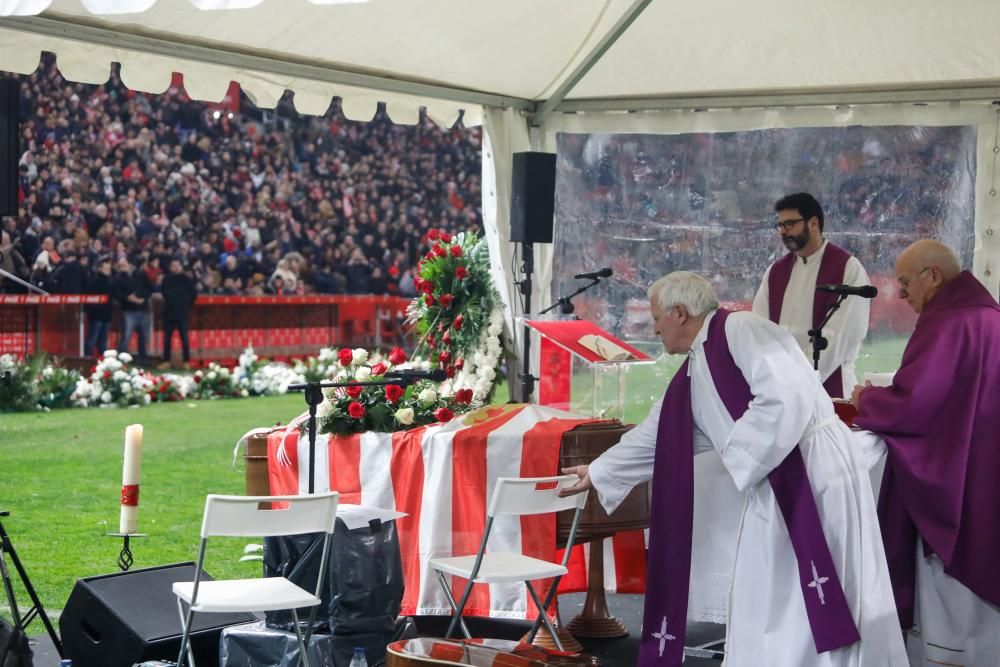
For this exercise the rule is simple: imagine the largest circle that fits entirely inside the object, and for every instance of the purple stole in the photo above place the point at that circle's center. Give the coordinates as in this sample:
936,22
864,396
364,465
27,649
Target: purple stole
831,272
671,521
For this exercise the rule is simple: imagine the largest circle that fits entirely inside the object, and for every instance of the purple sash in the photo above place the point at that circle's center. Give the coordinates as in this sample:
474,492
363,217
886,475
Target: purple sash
665,612
831,271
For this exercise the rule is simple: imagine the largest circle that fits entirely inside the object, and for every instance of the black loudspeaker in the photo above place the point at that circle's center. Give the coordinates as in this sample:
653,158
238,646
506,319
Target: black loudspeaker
532,199
10,92
117,620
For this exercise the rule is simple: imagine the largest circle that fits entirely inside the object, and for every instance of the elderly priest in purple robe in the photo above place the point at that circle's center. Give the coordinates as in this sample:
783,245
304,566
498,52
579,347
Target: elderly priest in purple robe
810,584
939,504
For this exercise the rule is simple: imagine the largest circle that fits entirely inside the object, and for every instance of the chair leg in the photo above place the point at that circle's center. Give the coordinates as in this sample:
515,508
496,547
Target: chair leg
457,611
303,658
548,601
544,616
185,635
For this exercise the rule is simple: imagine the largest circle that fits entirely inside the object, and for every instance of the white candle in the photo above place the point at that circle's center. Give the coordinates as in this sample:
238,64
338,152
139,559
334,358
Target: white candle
130,479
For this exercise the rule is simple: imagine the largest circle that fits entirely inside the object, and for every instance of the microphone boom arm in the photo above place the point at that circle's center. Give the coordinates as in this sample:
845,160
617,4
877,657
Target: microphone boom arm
565,302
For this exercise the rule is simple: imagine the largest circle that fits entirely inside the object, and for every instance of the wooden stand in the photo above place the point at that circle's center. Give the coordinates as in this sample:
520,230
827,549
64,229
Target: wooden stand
544,640
596,622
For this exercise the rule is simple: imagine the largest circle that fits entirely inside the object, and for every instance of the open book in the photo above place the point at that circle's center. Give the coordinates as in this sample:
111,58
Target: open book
604,348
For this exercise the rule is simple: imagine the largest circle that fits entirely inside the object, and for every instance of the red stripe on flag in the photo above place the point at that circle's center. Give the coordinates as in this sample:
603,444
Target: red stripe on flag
630,561
468,496
540,458
407,470
345,467
282,480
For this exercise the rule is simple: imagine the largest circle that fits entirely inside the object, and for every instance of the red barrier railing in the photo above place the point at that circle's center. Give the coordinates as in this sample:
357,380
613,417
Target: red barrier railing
220,326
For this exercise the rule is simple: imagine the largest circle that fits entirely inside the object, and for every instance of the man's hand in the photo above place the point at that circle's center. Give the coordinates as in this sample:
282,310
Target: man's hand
856,394
583,485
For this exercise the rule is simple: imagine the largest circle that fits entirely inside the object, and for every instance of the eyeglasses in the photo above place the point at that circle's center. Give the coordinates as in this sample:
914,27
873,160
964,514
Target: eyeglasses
904,283
787,224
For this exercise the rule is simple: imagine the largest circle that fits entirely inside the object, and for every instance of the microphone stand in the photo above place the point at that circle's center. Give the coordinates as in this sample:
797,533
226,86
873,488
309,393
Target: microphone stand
565,302
314,396
819,342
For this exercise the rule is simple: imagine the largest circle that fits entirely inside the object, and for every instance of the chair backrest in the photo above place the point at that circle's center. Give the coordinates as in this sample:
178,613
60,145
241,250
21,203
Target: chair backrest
534,495
240,516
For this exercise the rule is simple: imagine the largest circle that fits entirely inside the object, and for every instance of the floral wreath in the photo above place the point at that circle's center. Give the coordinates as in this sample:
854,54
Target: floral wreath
457,315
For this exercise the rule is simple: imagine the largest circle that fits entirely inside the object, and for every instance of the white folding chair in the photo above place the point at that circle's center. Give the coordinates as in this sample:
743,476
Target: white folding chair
240,516
514,496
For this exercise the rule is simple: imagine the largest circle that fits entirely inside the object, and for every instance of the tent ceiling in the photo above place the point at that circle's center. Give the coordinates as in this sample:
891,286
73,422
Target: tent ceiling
450,54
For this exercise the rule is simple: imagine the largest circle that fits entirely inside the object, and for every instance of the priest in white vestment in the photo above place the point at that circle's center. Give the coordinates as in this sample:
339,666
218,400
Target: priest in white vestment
768,624
787,292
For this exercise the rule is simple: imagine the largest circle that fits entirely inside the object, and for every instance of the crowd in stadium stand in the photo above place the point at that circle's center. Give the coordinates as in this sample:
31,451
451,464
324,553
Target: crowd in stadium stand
251,203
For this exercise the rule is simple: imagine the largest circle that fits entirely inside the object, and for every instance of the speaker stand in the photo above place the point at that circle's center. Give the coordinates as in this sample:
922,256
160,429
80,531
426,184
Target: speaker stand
36,609
527,268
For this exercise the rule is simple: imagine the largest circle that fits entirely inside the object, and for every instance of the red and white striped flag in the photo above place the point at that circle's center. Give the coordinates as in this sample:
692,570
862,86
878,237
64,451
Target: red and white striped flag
442,476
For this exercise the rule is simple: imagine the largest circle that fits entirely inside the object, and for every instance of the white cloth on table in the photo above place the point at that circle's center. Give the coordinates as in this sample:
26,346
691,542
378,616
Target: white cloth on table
767,617
844,332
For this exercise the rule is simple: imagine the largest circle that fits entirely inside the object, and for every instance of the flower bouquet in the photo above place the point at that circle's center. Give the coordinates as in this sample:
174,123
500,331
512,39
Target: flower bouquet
386,408
458,317
113,382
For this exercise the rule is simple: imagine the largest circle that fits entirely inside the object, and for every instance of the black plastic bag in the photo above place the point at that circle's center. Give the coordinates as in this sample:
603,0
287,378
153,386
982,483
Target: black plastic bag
362,592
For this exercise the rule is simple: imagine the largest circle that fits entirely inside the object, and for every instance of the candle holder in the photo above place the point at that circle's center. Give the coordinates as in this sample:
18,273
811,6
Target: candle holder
125,559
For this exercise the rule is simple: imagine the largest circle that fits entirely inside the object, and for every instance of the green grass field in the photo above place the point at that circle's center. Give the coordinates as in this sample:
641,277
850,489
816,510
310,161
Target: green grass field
60,477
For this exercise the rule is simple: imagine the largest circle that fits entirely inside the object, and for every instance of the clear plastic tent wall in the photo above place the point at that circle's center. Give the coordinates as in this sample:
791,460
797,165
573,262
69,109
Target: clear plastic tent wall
650,193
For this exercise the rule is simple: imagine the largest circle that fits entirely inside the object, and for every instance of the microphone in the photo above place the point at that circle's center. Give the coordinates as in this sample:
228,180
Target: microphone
864,291
413,375
594,275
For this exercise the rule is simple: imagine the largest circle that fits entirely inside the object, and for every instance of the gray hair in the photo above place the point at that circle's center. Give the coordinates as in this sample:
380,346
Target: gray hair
684,288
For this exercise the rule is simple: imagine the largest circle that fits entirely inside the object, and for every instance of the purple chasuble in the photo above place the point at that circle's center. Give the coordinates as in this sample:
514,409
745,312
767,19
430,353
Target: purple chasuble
940,420
831,272
665,610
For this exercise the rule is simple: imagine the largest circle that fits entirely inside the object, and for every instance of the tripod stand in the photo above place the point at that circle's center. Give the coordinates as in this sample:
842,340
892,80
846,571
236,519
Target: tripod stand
36,609
819,342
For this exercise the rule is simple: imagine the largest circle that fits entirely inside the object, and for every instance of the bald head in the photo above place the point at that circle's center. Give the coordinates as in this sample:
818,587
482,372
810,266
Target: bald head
923,269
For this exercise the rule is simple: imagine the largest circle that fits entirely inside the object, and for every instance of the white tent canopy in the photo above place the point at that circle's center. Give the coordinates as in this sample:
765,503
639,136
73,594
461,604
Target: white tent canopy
533,68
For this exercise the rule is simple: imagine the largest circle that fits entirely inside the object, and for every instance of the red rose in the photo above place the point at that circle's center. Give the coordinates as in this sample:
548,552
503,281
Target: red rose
427,287
354,391
456,251
446,339
444,357
433,234
356,410
450,371
461,273
197,379
380,368
446,237
463,396
441,328
445,300
107,375
459,364
397,355
429,256
428,299
459,321
345,356
417,284
438,250
393,392
432,341
444,415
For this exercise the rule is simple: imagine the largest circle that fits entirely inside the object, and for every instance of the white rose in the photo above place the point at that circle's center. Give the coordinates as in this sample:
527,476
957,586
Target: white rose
427,396
324,409
125,358
47,372
425,365
244,393
446,389
125,387
119,376
482,389
404,416
487,373
211,375
110,354
359,355
494,329
224,372
106,397
147,399
363,374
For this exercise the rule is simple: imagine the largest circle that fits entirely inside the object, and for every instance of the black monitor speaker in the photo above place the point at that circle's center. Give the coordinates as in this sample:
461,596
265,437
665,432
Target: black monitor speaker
120,619
10,91
532,200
